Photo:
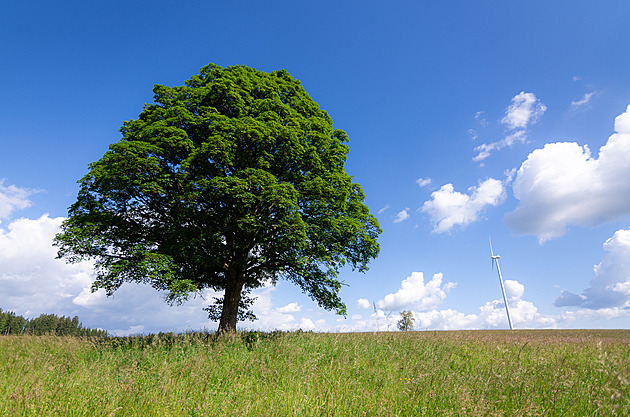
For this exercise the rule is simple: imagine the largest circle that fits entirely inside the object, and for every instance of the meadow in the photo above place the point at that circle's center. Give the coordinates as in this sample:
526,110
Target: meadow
517,373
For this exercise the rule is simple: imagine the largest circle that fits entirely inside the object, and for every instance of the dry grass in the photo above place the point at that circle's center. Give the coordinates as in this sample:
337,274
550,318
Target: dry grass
408,374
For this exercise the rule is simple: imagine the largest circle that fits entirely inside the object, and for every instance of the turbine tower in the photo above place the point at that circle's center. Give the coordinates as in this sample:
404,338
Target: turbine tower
495,259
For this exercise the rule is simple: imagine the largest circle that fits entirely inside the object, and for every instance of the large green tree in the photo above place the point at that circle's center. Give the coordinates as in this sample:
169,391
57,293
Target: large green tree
232,180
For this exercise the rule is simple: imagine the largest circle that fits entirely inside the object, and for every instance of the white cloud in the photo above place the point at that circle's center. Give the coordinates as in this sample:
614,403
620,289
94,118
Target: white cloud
290,308
524,110
586,98
402,215
491,315
89,299
306,324
610,287
509,175
581,316
423,182
286,318
382,210
269,316
33,282
363,303
513,289
13,198
423,299
414,293
448,208
561,184
485,150
482,121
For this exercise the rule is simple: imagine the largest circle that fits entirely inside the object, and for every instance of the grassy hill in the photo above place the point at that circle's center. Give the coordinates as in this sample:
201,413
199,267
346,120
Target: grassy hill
542,372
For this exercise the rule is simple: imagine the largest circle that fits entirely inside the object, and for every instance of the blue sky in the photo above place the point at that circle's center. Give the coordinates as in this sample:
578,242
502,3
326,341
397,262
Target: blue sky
466,120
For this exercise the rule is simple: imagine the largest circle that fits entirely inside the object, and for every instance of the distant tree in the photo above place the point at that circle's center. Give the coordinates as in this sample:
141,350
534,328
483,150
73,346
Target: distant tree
228,182
4,318
74,325
15,324
406,320
10,323
4,321
44,324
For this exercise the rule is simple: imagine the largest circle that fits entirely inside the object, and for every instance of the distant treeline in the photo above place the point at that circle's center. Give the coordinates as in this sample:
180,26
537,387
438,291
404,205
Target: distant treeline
10,323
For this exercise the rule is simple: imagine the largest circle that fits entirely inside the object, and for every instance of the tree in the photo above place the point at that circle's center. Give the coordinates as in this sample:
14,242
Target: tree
406,321
44,324
233,180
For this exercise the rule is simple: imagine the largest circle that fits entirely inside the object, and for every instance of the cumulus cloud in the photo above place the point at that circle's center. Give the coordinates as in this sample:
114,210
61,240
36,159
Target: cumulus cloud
290,308
33,282
479,116
402,215
363,303
491,314
509,175
448,208
513,289
562,184
581,316
286,318
525,110
415,293
13,198
586,98
306,324
423,182
610,287
486,149
423,299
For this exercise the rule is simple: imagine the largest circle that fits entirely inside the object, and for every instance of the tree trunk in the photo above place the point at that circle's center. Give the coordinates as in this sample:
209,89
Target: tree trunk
231,299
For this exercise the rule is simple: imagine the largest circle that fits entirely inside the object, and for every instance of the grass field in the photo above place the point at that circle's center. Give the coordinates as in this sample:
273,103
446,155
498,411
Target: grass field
543,372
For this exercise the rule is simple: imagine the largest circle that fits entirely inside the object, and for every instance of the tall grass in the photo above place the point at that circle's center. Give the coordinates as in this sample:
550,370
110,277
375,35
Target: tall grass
377,374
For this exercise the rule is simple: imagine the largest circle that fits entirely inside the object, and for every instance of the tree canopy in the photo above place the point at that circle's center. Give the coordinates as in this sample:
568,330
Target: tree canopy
230,181
406,321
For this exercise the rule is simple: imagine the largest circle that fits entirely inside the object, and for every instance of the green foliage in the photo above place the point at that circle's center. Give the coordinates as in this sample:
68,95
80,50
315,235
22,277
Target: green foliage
477,373
12,324
215,310
406,321
230,181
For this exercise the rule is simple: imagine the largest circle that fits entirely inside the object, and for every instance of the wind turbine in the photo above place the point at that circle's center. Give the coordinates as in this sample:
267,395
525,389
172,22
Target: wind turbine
495,259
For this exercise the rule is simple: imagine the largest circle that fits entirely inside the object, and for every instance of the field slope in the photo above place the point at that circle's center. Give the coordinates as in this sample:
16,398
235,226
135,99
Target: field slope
543,372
